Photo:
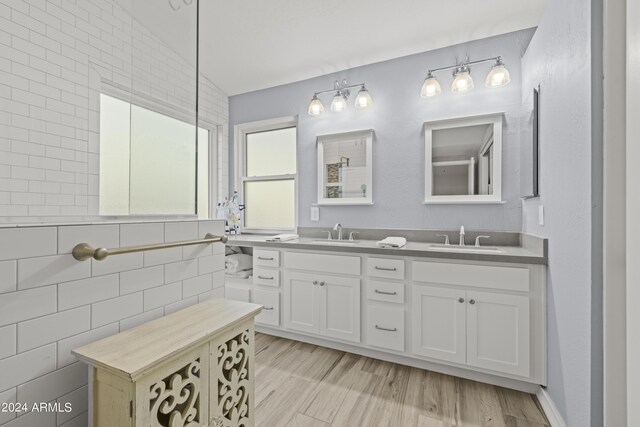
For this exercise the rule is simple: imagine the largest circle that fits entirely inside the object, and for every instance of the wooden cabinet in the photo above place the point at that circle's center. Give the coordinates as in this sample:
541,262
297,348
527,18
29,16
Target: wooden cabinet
270,302
439,323
385,327
481,329
340,308
202,375
498,332
416,308
323,305
301,302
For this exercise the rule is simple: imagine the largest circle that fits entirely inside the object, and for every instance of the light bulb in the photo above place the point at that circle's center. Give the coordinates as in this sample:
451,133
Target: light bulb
498,76
363,100
315,106
430,87
339,102
463,81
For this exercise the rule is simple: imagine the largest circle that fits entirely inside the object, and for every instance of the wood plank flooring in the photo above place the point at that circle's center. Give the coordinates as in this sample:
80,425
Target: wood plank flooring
299,384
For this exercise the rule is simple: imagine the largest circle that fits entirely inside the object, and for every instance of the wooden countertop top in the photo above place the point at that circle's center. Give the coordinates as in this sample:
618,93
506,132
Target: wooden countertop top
135,351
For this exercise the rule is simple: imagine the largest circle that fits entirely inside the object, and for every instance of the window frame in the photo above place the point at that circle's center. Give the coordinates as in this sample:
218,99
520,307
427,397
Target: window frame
240,162
143,101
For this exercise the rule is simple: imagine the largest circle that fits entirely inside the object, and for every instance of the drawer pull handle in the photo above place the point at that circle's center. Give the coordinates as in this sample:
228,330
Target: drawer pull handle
267,308
385,293
385,269
265,259
386,329
265,278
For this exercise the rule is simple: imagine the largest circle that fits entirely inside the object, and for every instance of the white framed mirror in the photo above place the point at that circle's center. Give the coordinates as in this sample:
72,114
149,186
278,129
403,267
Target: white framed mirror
345,170
463,160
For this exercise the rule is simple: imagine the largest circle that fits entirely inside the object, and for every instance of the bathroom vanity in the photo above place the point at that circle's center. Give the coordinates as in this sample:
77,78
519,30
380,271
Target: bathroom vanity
477,313
192,367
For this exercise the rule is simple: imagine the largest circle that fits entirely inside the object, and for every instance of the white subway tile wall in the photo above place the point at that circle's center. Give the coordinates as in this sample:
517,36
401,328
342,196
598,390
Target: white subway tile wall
55,58
68,303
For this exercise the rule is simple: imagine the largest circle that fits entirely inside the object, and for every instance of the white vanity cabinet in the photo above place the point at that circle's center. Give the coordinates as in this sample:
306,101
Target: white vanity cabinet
474,315
498,328
323,305
483,320
439,323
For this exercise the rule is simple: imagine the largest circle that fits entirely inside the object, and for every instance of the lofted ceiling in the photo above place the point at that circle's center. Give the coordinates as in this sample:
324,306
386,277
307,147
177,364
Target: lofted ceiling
247,45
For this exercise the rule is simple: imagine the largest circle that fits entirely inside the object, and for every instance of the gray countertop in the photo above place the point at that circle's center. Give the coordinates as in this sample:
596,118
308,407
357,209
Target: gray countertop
514,254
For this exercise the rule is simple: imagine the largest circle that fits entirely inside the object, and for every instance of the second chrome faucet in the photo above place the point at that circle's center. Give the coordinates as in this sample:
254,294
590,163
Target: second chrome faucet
461,242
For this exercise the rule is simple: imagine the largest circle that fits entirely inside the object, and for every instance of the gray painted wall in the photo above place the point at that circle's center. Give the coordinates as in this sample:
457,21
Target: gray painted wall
560,59
397,117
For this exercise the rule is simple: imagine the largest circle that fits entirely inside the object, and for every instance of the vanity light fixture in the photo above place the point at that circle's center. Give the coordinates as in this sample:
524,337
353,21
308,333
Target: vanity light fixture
462,80
498,76
339,102
315,106
430,87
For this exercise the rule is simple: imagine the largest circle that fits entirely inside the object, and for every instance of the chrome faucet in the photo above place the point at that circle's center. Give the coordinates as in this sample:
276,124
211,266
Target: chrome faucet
462,235
481,237
446,238
338,228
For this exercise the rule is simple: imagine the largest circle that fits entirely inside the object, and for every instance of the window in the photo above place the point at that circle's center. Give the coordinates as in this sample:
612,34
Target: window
267,170
149,164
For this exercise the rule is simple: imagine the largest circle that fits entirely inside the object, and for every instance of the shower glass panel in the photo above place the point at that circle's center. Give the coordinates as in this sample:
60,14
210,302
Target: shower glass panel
151,162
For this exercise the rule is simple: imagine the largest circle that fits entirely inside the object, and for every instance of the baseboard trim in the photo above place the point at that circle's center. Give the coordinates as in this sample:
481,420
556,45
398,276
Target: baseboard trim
550,409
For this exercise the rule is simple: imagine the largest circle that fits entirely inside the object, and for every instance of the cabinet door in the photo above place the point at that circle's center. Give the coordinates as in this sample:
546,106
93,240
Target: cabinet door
439,325
301,302
174,393
340,308
498,332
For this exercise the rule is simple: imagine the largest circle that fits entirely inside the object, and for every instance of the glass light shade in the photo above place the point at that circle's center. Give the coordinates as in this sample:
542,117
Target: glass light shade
462,82
430,87
339,103
498,76
315,106
363,100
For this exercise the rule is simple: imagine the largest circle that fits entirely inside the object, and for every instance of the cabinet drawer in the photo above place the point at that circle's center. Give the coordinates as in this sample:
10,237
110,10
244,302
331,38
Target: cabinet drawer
270,300
385,291
486,276
385,327
266,276
385,268
237,294
337,264
266,258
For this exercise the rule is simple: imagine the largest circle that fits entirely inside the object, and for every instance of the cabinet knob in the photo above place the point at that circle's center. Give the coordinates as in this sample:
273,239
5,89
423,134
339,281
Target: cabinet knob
472,301
460,300
321,283
315,282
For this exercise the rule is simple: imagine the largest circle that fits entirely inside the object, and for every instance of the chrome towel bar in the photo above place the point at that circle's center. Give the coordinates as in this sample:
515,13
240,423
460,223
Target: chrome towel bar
84,251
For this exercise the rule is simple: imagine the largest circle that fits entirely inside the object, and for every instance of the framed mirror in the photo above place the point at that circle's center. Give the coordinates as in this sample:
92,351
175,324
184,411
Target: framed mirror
463,160
345,172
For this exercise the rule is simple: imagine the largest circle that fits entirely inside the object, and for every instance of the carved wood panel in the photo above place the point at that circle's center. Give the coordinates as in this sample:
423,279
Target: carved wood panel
175,394
175,400
233,374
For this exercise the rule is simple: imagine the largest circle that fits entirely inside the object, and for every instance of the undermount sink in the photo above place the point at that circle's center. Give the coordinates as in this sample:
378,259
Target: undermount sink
468,249
335,242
